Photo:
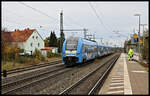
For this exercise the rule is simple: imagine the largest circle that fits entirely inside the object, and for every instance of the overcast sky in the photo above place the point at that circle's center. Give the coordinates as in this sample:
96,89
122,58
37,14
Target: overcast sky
109,17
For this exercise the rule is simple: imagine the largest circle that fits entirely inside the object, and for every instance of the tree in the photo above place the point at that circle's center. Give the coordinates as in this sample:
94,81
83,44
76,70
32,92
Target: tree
145,48
46,41
60,41
52,40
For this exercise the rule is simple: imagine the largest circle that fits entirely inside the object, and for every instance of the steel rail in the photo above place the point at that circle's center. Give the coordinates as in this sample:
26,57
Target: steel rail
28,78
102,78
36,81
83,78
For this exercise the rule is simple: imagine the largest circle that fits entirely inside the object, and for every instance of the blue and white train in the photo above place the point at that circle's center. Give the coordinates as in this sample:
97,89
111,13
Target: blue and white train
79,50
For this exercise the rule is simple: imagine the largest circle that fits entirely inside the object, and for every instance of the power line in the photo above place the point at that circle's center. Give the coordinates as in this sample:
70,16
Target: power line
98,17
37,10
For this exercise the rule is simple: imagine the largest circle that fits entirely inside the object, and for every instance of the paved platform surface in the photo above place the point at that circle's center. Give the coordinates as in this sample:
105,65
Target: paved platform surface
126,78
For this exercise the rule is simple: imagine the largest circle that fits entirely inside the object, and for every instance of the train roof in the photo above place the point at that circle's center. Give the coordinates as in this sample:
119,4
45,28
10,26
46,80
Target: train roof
73,38
89,42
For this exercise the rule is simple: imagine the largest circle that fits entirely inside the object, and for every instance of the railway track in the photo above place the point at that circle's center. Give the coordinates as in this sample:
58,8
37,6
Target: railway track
90,82
23,84
31,67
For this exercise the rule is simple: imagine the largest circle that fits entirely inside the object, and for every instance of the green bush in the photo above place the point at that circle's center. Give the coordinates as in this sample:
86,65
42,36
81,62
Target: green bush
21,50
50,54
37,54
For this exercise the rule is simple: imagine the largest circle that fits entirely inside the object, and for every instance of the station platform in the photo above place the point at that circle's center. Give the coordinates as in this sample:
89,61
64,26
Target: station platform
126,78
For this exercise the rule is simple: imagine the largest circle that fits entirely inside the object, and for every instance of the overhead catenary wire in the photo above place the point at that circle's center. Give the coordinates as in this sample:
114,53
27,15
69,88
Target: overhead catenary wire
98,17
38,11
42,12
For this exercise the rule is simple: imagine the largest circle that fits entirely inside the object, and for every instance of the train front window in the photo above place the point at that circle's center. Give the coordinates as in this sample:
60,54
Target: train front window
71,44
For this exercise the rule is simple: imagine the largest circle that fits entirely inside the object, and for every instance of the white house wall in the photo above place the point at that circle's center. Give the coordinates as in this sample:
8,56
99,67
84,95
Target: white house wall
27,45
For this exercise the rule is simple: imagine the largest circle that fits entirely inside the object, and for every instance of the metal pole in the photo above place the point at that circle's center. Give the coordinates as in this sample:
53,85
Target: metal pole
84,33
61,27
143,35
139,37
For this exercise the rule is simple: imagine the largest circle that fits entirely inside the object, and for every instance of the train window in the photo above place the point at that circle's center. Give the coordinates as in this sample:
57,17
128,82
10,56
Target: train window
71,46
71,43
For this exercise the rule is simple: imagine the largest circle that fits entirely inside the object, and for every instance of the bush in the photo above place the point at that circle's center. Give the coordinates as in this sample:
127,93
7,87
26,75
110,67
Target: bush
37,54
21,50
42,58
50,54
21,59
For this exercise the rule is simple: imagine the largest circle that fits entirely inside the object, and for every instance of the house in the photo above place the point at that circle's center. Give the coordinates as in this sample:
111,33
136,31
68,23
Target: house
27,39
45,49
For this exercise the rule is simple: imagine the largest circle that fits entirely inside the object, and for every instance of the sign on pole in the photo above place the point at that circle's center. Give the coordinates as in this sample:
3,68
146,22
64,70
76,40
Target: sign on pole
135,35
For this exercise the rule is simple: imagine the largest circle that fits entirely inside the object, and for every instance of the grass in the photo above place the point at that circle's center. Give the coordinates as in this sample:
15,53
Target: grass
9,65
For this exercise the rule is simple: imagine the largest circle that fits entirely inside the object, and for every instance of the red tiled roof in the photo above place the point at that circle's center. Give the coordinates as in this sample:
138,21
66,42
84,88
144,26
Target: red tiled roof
48,48
7,36
18,35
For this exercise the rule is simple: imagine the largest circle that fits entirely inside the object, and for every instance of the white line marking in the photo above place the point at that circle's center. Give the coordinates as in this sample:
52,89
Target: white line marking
117,78
139,71
117,81
114,92
116,84
127,85
116,87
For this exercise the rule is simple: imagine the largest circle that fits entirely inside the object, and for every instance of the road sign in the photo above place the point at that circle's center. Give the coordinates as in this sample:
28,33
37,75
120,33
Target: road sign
135,35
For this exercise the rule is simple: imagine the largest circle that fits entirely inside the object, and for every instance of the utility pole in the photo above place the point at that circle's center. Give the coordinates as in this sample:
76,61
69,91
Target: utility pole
61,28
94,37
85,33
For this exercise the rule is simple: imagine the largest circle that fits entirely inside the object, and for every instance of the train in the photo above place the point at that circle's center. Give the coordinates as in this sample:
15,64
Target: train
79,50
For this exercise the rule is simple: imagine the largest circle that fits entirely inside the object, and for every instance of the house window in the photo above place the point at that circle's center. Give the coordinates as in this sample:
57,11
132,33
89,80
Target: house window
36,37
31,44
33,37
38,44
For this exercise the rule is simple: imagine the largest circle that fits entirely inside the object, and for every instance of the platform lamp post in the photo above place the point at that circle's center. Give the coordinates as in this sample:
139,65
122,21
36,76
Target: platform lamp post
139,32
